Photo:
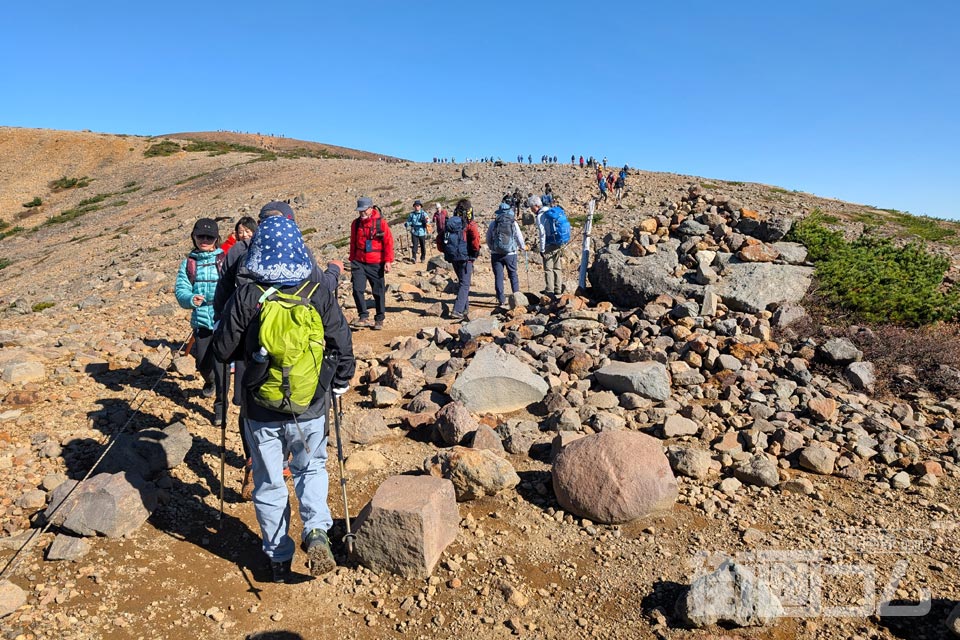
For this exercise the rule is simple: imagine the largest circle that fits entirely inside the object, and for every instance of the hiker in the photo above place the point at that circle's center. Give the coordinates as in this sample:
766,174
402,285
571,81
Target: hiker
547,197
553,232
195,288
417,224
504,239
371,256
234,275
581,162
602,183
619,185
278,263
460,244
439,218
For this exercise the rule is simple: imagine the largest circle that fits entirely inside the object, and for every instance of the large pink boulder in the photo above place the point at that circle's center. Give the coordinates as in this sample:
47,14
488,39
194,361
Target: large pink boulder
614,477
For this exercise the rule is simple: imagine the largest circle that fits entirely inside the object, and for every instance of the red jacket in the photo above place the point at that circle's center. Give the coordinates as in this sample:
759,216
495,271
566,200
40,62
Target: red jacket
377,231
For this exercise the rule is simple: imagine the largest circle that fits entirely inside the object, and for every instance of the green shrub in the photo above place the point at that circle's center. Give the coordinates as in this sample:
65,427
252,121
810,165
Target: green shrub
165,148
36,202
40,306
6,230
69,183
922,227
4,263
875,279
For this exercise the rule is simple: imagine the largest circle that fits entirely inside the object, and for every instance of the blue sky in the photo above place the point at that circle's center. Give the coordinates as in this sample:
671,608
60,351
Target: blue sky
857,100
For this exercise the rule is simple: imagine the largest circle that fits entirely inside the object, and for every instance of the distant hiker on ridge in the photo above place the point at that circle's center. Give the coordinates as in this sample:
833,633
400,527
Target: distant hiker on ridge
371,257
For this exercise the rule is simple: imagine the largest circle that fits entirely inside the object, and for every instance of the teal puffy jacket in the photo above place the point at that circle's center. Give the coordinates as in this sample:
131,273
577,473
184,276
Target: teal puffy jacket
204,285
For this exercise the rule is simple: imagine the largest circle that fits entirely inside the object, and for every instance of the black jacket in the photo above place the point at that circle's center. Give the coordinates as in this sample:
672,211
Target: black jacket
237,338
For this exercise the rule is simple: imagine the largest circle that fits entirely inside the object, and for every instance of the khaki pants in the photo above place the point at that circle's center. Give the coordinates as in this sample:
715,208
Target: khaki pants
553,271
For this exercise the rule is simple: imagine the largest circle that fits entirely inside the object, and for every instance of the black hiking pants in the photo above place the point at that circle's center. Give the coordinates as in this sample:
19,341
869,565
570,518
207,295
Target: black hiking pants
361,272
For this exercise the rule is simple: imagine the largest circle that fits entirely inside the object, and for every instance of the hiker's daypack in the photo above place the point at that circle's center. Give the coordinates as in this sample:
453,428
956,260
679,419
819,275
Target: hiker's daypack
221,260
291,332
504,240
546,199
556,226
455,240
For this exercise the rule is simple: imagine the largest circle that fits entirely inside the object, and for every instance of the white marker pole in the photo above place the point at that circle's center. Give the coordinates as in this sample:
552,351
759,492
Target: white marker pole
585,252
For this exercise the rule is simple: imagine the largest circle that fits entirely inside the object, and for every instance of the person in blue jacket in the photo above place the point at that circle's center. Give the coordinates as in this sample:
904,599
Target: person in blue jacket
196,285
417,225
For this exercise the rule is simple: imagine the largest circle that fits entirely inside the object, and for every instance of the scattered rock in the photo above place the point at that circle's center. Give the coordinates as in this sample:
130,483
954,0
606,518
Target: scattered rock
730,595
474,472
66,547
406,525
496,382
106,504
614,477
647,379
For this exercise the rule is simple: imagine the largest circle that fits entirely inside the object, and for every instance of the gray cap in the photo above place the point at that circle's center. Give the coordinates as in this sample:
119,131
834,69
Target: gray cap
364,203
534,201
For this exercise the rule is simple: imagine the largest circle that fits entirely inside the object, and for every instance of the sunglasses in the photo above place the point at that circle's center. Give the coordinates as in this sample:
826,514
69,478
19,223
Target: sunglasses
203,237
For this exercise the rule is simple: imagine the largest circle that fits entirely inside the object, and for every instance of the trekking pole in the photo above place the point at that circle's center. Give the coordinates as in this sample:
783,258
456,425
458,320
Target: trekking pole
337,419
526,261
225,387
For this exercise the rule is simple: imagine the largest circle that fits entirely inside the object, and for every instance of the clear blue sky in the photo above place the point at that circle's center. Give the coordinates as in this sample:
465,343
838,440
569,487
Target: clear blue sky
858,99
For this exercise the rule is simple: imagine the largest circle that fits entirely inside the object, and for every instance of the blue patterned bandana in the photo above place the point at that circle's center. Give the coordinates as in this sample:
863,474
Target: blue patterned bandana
277,254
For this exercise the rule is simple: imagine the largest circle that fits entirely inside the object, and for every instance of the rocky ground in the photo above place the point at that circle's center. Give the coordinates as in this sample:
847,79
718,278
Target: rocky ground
784,461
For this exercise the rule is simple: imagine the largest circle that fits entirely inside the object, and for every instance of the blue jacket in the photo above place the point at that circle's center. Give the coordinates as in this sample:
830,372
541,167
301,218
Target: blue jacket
417,223
204,285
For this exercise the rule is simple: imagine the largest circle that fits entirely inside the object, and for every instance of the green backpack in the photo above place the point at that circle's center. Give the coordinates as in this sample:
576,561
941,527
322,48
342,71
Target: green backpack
291,332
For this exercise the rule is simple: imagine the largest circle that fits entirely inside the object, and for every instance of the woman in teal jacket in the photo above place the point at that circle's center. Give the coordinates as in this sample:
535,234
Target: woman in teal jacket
195,288
417,225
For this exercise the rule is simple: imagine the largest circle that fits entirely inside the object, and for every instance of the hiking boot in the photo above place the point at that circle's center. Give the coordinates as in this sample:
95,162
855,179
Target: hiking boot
208,390
218,415
319,556
246,487
378,325
456,316
281,571
361,323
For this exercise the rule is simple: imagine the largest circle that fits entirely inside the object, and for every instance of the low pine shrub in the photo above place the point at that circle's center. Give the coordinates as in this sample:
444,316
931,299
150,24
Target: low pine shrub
36,202
877,280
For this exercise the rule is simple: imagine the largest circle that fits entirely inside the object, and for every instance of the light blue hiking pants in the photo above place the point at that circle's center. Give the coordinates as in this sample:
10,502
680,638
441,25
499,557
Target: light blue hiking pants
269,443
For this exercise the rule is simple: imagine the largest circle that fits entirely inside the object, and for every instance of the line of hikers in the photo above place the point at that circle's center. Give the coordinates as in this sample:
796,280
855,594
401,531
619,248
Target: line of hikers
261,302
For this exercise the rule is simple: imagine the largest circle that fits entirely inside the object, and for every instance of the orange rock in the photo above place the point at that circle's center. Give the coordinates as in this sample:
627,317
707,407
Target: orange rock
648,226
749,213
758,253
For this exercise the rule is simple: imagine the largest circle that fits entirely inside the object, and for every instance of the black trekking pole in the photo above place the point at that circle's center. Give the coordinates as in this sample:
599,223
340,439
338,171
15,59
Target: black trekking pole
337,419
224,387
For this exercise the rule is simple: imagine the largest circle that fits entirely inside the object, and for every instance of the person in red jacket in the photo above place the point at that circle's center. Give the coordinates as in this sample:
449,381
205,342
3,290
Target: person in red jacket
371,255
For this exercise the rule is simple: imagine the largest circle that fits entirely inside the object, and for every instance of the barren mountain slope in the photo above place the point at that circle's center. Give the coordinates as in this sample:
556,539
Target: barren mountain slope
86,290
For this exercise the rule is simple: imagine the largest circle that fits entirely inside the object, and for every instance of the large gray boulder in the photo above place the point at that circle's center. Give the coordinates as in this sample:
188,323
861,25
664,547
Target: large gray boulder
633,282
753,286
108,504
648,379
406,525
496,382
148,452
730,595
474,472
614,477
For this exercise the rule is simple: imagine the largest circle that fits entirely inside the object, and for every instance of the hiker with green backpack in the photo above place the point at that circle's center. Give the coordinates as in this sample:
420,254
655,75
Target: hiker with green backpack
294,339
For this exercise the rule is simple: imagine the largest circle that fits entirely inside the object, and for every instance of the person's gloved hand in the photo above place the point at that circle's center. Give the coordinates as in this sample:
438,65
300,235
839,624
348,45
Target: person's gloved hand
339,391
